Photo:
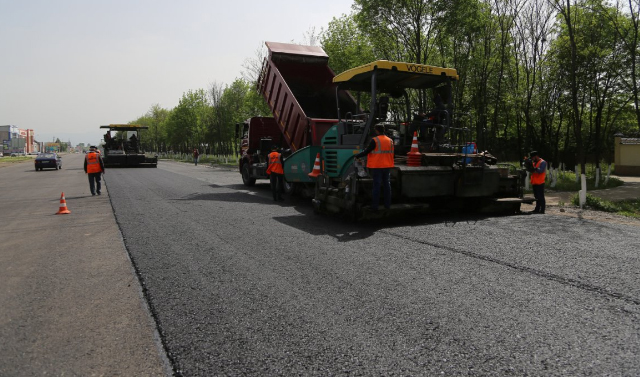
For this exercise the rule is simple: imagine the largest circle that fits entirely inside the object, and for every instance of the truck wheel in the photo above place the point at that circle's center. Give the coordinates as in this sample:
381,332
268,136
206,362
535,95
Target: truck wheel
246,176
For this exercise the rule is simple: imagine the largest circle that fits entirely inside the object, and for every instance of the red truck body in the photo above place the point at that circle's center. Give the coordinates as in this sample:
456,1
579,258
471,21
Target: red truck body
297,84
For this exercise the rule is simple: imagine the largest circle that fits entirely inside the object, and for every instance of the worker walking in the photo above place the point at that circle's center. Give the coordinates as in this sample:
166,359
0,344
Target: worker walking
94,167
276,174
538,176
196,154
379,162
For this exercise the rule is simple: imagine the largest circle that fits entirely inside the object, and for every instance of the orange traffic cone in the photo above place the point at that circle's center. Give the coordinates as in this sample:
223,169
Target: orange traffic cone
414,157
63,206
316,167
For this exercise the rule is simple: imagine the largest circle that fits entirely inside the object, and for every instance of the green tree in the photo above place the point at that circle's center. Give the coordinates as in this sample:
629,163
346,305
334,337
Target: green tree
158,117
346,45
186,124
627,26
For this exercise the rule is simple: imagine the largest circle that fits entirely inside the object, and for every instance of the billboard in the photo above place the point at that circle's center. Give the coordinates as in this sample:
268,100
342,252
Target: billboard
51,147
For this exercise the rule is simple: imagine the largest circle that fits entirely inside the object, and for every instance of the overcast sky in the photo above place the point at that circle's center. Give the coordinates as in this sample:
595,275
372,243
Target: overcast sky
67,67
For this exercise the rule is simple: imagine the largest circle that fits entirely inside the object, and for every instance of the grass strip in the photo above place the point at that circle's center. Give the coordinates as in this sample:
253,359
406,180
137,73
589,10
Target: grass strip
628,208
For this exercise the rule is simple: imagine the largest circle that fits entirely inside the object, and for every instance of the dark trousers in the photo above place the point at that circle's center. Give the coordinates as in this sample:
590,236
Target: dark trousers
277,185
94,182
538,193
381,177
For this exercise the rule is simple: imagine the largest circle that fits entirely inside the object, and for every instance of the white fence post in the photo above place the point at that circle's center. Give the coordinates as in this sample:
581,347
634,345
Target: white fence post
583,191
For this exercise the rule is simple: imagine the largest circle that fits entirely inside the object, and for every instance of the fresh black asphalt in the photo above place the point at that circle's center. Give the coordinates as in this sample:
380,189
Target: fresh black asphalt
240,285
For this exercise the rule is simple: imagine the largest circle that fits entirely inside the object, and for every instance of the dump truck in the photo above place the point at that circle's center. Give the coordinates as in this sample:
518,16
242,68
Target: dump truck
297,84
122,147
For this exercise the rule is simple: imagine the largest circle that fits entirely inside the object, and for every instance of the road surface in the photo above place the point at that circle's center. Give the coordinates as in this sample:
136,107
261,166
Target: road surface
70,302
241,285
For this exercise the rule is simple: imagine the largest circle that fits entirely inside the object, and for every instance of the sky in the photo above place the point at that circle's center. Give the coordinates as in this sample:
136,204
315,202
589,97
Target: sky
67,67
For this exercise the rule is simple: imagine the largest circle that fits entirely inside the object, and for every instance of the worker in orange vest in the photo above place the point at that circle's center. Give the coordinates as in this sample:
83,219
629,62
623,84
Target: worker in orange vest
379,154
538,176
94,166
276,173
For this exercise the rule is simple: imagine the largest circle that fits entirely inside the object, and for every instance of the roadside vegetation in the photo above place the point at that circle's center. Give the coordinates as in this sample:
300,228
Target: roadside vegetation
13,160
204,159
629,208
567,182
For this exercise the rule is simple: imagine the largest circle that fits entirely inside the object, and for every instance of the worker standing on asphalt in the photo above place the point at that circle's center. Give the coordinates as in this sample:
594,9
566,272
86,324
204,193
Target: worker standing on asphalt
94,166
276,173
379,162
538,176
196,154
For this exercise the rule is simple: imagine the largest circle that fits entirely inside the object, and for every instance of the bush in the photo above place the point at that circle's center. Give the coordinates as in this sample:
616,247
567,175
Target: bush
230,160
630,208
567,182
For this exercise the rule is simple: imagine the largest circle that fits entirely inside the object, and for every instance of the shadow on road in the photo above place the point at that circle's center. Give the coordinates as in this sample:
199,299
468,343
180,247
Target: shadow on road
345,231
335,226
236,197
241,187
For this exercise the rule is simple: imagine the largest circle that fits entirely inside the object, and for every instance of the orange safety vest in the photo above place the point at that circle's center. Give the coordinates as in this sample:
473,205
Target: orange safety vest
382,156
93,164
274,164
538,178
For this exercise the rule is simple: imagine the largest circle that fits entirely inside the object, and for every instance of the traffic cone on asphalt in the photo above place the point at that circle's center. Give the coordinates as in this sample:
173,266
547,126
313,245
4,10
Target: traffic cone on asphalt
316,167
63,206
414,157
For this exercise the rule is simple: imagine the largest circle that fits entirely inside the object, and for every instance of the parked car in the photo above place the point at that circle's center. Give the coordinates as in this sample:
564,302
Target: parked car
48,161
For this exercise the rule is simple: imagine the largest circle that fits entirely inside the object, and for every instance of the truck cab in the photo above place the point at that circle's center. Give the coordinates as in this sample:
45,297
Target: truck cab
256,137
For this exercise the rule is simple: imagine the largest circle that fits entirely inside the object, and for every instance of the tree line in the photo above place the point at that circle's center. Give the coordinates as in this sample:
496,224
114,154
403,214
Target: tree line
557,76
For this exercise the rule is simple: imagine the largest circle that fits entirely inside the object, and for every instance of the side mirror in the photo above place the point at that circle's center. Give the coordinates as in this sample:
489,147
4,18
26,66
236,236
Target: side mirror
237,130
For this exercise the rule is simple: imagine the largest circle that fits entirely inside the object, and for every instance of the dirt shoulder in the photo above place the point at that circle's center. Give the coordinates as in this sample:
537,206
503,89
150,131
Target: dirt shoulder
584,214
